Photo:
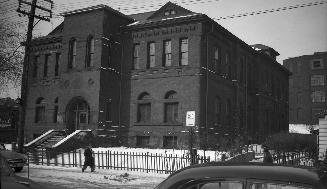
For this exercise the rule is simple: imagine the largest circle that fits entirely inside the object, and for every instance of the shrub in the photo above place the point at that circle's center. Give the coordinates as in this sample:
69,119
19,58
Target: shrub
292,142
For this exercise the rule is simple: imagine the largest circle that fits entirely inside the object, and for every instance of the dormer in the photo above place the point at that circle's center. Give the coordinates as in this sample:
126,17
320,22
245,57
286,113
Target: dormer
169,10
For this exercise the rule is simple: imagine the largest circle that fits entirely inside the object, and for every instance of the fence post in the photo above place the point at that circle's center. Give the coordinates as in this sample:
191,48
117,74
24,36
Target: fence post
68,159
62,160
102,159
42,156
147,162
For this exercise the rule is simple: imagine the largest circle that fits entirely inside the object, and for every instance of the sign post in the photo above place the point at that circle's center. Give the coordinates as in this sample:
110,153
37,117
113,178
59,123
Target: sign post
190,122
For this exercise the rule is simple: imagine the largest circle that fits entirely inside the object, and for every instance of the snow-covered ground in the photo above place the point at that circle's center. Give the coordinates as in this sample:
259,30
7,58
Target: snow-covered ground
72,177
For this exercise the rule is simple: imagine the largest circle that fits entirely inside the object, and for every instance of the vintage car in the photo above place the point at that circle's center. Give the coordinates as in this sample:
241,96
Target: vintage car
11,181
227,175
16,160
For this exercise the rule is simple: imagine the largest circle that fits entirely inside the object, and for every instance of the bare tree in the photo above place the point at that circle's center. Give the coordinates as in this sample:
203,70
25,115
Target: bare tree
11,55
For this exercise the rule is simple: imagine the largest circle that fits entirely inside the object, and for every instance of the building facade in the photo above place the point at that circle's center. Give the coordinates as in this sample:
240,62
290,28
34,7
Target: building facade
137,76
307,87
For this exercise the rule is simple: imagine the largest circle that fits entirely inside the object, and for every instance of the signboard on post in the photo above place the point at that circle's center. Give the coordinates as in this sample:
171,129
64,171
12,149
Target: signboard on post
190,118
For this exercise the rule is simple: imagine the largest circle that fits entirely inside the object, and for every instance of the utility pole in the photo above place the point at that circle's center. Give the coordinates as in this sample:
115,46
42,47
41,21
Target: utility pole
24,87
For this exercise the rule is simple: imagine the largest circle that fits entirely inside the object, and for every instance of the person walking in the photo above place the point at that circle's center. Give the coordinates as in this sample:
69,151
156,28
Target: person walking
88,158
267,158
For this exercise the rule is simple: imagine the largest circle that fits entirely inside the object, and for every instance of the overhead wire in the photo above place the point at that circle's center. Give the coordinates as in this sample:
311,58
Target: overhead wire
271,10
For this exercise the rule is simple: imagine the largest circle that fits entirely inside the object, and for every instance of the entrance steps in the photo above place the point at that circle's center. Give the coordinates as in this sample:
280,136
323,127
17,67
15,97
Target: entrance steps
53,142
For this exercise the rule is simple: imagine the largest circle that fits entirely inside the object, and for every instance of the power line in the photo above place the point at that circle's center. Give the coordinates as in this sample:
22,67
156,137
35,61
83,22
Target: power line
271,10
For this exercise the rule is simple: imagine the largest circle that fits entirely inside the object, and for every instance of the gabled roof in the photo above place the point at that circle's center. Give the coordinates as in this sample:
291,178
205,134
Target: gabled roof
58,30
169,11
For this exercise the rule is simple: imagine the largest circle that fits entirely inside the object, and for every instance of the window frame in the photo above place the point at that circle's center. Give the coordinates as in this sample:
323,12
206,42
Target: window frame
72,53
55,111
228,63
145,138
89,59
166,144
136,56
35,66
183,52
151,54
39,116
317,80
46,65
217,59
321,63
58,58
167,54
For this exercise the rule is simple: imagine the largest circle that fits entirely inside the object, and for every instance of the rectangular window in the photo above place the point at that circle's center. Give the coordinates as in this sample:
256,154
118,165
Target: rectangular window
55,114
317,80
72,54
35,66
142,141
217,60
144,113
167,53
228,70
317,64
241,72
39,114
318,96
184,52
58,57
108,111
169,141
136,56
46,65
171,112
151,55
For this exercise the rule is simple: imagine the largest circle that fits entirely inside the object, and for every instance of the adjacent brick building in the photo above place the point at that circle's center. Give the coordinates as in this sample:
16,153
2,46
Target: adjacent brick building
307,87
137,76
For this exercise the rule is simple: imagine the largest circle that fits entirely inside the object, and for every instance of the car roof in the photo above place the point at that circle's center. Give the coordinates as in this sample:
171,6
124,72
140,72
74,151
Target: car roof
305,175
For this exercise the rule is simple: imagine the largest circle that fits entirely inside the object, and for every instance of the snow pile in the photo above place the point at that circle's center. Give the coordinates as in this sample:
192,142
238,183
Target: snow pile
301,128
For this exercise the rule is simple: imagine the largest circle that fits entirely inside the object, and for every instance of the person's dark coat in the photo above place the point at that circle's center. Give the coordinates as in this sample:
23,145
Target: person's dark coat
267,157
88,154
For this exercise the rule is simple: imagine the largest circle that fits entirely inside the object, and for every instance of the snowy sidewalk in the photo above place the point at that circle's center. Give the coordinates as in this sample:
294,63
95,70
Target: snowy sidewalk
72,177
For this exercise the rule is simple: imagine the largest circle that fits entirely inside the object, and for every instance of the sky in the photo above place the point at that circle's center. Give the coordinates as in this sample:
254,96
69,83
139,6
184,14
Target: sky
292,32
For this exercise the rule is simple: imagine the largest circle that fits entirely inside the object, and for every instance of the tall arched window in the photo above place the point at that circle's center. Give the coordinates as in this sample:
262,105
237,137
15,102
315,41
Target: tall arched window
39,110
144,108
55,111
171,107
72,54
218,110
89,52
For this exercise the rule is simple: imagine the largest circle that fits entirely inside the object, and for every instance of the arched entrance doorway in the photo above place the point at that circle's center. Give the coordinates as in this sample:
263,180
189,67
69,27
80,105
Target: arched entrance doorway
77,114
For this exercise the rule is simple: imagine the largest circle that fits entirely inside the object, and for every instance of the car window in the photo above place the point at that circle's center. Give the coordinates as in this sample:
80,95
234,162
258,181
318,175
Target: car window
277,186
217,185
